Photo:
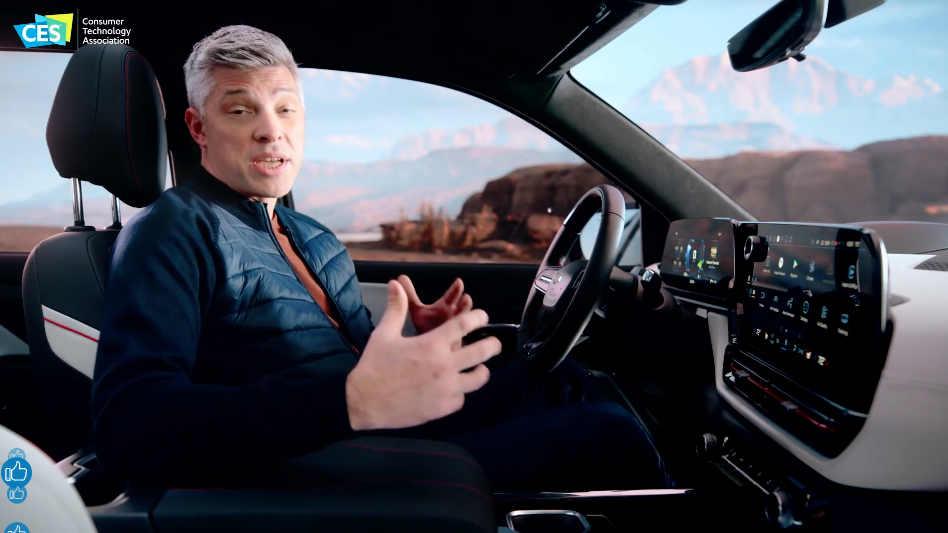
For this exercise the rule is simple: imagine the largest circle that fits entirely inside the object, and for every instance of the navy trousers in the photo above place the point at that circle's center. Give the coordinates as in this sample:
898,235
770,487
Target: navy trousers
552,432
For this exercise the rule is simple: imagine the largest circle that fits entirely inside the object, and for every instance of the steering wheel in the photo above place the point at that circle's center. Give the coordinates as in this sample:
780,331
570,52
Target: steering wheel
564,295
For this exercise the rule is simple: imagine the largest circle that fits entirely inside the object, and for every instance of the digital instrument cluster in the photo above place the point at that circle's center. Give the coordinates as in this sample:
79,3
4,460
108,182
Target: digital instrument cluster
699,255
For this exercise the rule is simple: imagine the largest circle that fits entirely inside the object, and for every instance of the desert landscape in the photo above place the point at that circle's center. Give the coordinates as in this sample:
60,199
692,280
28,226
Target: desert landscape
515,216
795,142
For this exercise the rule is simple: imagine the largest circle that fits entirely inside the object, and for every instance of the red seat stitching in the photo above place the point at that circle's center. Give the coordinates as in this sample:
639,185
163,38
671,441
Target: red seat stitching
70,329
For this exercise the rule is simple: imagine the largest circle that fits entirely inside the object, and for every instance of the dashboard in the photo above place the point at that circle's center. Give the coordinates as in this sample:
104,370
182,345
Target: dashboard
812,346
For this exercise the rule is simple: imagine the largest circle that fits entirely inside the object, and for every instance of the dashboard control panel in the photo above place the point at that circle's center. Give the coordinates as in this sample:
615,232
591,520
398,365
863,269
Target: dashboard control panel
809,325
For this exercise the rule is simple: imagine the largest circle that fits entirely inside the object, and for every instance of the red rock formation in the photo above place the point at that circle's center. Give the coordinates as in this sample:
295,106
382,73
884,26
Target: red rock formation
895,180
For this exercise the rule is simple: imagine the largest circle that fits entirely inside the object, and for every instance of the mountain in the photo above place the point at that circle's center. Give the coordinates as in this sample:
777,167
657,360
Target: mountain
357,197
719,140
811,98
53,207
516,216
686,140
904,179
510,132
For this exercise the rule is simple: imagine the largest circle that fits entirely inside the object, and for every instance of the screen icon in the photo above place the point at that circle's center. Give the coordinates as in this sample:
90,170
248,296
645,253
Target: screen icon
806,307
790,302
780,263
844,318
852,272
812,267
795,263
16,494
824,313
714,252
821,360
16,472
767,261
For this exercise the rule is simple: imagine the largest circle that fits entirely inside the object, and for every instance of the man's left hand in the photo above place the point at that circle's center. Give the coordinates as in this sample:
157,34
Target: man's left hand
427,317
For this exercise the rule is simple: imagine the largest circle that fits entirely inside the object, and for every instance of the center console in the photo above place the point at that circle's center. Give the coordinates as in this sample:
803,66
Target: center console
808,325
799,324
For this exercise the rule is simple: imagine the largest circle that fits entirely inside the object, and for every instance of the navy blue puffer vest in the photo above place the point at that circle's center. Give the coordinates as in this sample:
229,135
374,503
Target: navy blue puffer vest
211,347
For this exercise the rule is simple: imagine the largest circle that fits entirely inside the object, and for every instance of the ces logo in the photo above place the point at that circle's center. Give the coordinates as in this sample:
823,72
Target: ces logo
47,30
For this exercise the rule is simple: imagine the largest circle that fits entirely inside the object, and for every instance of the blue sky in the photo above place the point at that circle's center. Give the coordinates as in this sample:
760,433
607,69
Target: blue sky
357,118
901,37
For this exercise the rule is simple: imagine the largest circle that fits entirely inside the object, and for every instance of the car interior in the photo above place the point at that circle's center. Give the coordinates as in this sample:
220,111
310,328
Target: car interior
791,375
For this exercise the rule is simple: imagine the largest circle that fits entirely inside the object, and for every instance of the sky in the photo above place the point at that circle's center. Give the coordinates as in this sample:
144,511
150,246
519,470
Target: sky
358,118
900,37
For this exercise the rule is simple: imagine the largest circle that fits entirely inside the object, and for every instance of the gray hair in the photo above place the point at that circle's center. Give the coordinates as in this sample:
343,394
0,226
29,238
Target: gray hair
238,47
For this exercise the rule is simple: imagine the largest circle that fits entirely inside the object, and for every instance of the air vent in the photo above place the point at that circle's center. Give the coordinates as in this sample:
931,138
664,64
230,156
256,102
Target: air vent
938,263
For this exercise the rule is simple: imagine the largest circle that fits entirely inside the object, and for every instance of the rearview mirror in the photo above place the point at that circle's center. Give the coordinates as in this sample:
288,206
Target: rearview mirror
777,35
787,28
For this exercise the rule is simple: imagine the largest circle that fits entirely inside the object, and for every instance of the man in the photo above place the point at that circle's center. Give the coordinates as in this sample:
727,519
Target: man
234,327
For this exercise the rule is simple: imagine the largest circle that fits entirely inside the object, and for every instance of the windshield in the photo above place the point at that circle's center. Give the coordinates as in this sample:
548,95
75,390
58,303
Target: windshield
855,132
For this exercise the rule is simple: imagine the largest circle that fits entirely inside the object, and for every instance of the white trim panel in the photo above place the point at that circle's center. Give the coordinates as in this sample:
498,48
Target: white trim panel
72,341
901,445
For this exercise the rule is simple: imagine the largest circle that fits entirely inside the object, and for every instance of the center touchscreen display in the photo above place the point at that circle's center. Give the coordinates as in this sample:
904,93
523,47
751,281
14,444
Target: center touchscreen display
812,305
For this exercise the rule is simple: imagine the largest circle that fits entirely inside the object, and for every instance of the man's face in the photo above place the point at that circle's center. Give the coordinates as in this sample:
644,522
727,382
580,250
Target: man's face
252,137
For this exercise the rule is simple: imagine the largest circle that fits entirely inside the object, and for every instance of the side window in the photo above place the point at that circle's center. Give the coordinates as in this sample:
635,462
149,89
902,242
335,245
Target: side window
35,202
406,171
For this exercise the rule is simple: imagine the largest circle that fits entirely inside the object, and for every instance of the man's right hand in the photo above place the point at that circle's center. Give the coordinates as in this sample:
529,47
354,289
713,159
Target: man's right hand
402,382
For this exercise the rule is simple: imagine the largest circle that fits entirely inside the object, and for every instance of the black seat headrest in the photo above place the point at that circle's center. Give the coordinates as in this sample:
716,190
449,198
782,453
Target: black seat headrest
107,123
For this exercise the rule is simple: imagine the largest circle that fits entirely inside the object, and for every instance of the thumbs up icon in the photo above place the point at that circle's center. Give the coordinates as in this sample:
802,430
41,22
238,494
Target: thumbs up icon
18,529
15,473
17,494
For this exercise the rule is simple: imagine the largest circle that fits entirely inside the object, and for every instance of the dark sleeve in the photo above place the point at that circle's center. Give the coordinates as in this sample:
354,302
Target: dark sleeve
151,421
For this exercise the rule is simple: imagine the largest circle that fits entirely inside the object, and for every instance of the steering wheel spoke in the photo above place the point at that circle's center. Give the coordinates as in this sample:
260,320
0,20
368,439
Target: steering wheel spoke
546,278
